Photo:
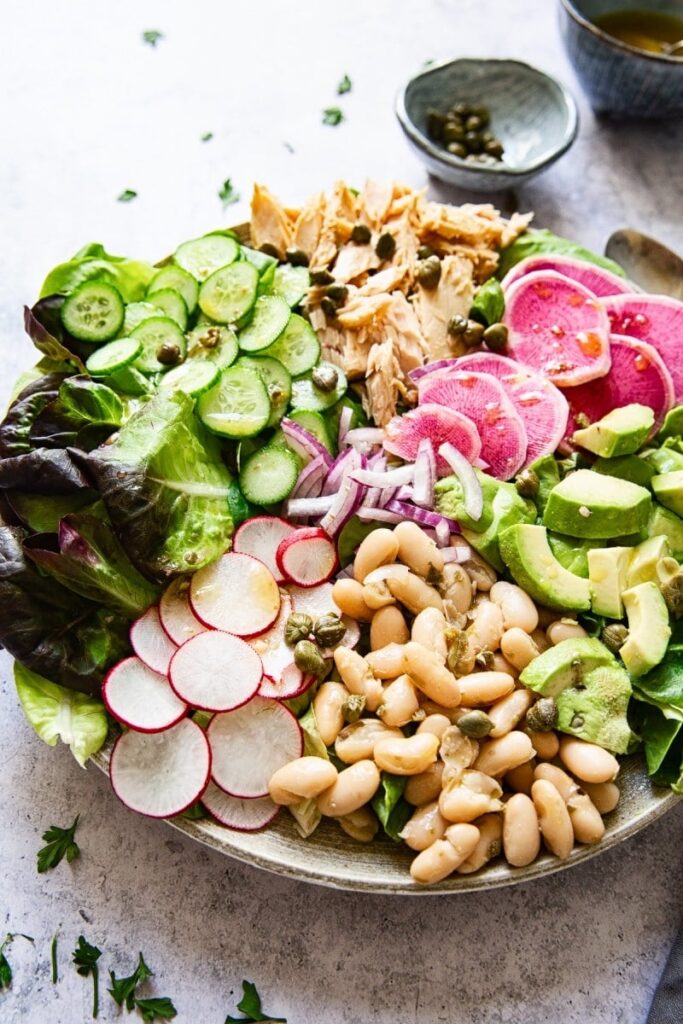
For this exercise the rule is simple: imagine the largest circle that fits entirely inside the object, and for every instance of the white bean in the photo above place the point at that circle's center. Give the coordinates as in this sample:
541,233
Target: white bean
487,627
429,629
457,751
327,707
399,703
563,783
564,629
436,724
553,818
488,845
387,662
429,673
301,779
546,744
426,786
424,827
469,797
508,711
605,795
496,757
361,825
347,594
456,591
586,821
388,626
414,593
518,647
408,755
354,787
379,548
463,838
587,761
435,863
417,550
376,594
517,607
357,676
479,688
521,836
356,742
520,779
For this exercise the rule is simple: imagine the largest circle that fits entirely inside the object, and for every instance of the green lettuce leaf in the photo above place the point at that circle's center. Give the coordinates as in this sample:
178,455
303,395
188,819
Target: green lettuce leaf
130,277
41,513
313,744
663,686
489,303
390,807
82,415
56,714
350,536
534,243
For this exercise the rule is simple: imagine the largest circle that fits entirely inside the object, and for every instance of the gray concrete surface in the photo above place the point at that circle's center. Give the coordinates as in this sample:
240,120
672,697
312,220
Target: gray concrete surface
89,110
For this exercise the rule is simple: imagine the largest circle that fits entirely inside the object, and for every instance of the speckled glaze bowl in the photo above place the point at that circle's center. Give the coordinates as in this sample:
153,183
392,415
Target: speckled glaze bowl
533,115
618,78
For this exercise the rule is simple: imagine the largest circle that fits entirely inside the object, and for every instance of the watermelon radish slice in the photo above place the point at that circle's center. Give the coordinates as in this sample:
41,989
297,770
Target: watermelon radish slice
558,328
291,683
249,744
656,319
215,671
177,618
596,279
260,538
638,374
541,406
151,643
307,557
233,812
160,774
439,425
482,399
270,646
237,594
140,698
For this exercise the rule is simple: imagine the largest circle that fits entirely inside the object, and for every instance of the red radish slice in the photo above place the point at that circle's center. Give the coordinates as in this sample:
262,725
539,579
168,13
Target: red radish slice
237,594
234,812
260,538
290,683
313,601
270,646
307,557
542,407
481,398
177,618
638,374
215,671
656,319
596,279
160,774
151,643
249,744
140,698
558,328
438,424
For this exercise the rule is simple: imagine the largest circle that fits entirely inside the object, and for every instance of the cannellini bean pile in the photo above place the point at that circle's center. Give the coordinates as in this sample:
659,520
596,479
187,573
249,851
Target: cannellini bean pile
448,640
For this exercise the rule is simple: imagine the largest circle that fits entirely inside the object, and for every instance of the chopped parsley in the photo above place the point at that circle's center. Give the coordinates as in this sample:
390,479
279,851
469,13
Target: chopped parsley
60,843
156,1008
206,136
5,969
53,958
332,116
85,958
227,193
250,1005
344,86
152,36
123,989
127,195
288,146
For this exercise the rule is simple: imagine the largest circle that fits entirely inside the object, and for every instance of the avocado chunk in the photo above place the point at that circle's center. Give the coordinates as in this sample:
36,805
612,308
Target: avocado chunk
508,509
588,504
626,467
668,490
607,572
565,665
644,560
548,473
663,460
648,628
621,432
525,550
595,710
450,502
572,553
667,524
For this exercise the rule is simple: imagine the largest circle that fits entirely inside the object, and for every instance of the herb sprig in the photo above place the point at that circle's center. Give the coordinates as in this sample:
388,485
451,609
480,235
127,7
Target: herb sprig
227,193
333,116
5,968
345,85
127,195
151,36
85,958
250,1005
124,992
60,843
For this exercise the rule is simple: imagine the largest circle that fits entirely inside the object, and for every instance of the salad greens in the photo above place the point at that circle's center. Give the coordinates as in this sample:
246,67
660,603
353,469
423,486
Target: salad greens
60,843
57,713
536,242
489,303
250,1006
129,277
390,807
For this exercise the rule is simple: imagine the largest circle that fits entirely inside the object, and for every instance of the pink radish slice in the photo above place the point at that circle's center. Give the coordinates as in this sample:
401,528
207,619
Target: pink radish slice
249,744
150,641
558,328
215,671
140,698
638,374
656,319
270,646
160,774
290,683
542,407
482,399
234,812
237,594
177,618
439,425
260,538
307,556
596,279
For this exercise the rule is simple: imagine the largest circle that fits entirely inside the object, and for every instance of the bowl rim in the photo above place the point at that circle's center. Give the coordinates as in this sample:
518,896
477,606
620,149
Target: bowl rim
617,44
502,170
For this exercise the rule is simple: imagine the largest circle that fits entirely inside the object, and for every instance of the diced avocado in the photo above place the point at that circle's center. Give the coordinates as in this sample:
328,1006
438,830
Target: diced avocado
449,500
588,504
525,550
667,524
607,572
548,473
571,553
645,556
664,459
621,432
668,490
648,628
508,508
672,425
596,709
565,665
626,467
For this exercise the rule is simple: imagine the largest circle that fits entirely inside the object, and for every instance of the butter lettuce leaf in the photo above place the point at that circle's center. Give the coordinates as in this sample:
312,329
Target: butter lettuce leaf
130,277
535,243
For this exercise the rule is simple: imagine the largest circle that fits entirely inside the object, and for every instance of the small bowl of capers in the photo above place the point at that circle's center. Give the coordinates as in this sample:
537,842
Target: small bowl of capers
486,124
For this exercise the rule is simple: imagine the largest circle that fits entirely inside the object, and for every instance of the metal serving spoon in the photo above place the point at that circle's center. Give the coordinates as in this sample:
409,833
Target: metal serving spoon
673,49
647,262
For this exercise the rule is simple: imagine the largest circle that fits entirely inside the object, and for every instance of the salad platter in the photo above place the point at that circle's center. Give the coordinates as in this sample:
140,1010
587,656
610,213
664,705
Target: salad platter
348,540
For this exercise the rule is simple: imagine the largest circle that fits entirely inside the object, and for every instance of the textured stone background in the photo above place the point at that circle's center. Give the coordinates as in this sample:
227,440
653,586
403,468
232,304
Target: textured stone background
88,111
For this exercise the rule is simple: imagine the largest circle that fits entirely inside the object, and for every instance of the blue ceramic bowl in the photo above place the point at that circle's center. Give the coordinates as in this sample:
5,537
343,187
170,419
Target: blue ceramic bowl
532,114
618,78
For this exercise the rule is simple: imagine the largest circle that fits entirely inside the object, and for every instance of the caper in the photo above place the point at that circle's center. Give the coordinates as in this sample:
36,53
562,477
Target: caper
168,354
321,277
485,660
473,142
475,724
457,149
337,292
325,378
308,658
424,252
481,112
496,337
361,234
453,133
495,148
298,627
457,325
211,338
527,483
456,643
462,109
542,716
435,123
428,272
297,257
328,307
614,636
473,334
672,592
353,707
386,246
329,630
271,250
487,137
473,123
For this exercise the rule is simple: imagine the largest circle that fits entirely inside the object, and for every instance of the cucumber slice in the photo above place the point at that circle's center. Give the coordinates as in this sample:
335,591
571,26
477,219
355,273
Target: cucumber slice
130,381
265,285
113,356
93,312
271,314
171,303
237,406
291,283
172,276
229,293
214,342
305,394
269,475
261,260
298,347
153,333
277,380
194,377
202,256
314,424
135,313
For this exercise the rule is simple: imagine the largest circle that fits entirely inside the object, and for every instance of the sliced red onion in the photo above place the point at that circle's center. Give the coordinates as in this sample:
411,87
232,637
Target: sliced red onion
378,515
459,554
423,516
473,498
364,435
438,364
388,478
425,474
345,418
404,493
443,534
372,498
344,504
345,462
309,506
310,480
303,442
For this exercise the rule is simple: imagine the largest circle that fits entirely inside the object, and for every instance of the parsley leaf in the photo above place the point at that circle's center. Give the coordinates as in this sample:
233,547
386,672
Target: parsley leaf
5,969
333,116
60,843
127,195
206,136
344,86
157,1008
250,1004
123,989
227,194
85,958
152,36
